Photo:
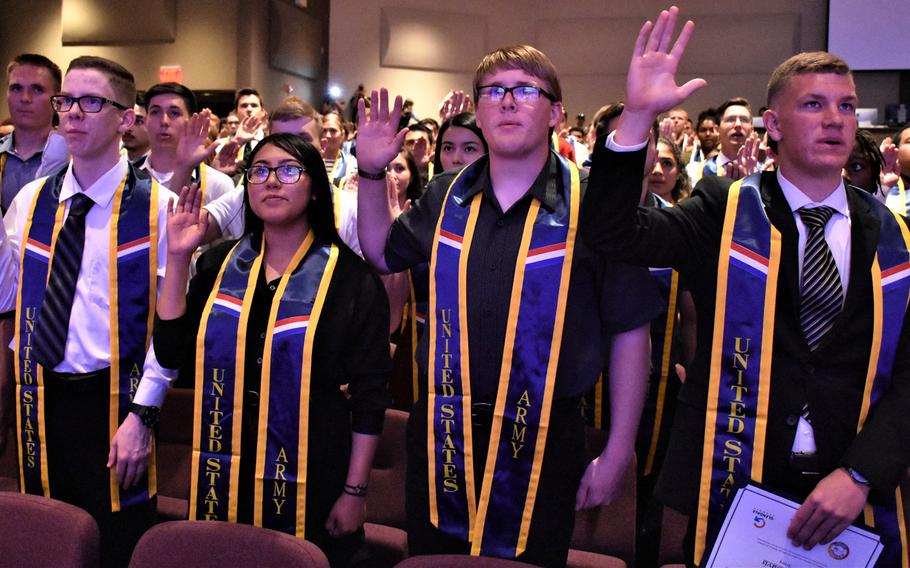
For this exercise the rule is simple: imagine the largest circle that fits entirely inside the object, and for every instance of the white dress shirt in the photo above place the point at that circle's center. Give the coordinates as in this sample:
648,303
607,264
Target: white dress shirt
227,212
216,183
89,335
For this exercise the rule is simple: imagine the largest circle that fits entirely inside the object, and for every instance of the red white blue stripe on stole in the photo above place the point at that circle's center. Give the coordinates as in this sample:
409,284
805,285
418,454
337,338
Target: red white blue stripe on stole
748,259
133,248
895,274
450,239
554,252
228,304
38,250
291,326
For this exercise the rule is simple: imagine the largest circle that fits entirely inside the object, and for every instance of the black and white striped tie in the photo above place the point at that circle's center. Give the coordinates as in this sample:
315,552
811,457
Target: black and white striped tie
53,321
821,294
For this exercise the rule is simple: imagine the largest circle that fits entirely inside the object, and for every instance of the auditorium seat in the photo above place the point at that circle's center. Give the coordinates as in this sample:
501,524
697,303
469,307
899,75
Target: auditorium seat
9,463
605,536
456,561
672,532
175,447
385,527
214,544
50,533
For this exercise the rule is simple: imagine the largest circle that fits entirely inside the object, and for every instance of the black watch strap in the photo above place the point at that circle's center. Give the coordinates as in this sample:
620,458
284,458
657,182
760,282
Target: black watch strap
148,414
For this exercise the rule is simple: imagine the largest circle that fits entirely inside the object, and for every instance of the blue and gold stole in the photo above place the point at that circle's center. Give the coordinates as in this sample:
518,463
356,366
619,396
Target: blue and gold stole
901,206
340,170
283,437
653,424
133,290
415,311
498,524
740,373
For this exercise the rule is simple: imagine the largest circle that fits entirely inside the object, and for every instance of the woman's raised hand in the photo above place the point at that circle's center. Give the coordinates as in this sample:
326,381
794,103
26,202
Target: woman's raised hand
187,222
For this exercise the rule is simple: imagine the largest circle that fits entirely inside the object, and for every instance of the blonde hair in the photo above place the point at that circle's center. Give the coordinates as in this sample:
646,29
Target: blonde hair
524,57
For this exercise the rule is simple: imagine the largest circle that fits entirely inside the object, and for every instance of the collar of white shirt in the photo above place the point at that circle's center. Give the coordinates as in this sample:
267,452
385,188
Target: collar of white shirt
837,200
102,191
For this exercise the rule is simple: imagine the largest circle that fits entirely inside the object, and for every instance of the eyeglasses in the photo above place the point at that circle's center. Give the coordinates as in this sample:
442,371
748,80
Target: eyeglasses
285,174
87,103
520,93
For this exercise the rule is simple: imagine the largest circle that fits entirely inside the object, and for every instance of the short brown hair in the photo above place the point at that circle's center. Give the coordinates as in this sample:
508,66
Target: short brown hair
524,57
122,81
36,60
802,63
293,108
735,101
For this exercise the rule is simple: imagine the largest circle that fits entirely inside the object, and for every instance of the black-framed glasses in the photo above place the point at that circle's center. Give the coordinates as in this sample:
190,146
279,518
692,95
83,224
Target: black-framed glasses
87,103
285,174
520,93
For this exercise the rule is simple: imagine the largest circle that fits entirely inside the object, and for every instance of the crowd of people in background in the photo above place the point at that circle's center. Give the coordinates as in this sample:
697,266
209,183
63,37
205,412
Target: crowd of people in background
303,270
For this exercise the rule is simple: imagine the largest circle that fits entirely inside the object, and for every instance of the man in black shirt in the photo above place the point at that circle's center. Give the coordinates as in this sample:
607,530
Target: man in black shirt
520,210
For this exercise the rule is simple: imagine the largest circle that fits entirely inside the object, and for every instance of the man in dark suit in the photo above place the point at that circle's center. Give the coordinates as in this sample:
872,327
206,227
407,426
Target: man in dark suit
826,357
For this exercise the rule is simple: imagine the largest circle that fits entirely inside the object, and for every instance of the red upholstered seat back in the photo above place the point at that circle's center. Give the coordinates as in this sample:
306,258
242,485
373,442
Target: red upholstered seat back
214,544
37,531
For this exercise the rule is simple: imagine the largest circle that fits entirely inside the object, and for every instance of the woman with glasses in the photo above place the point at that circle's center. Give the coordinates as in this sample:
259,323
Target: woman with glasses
286,333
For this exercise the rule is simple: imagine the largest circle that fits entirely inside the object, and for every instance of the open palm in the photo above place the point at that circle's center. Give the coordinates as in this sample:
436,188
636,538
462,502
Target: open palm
186,227
378,137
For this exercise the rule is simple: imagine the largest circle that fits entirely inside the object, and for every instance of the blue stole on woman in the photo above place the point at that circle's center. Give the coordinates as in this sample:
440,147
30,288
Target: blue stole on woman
740,372
133,265
283,435
498,524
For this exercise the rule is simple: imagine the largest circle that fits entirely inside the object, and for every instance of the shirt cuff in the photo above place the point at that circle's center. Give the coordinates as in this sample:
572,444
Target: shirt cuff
155,381
616,147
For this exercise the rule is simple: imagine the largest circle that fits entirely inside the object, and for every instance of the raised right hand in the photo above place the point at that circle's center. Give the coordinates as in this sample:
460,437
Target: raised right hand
194,147
378,137
651,82
186,223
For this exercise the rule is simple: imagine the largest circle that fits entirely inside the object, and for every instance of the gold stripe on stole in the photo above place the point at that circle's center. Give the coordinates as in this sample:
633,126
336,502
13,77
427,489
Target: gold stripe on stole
114,315
598,400
501,394
902,193
717,342
664,372
39,369
150,322
3,158
203,180
905,560
197,396
467,425
767,350
412,309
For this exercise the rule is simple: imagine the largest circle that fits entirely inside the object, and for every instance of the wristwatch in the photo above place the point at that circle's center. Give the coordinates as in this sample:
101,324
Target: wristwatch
149,415
857,478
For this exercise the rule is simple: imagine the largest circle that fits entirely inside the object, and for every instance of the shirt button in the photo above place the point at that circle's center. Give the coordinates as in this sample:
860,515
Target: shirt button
500,223
262,335
792,420
259,360
272,287
492,266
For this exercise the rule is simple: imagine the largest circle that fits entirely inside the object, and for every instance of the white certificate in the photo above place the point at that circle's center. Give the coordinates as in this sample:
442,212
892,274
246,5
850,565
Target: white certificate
754,534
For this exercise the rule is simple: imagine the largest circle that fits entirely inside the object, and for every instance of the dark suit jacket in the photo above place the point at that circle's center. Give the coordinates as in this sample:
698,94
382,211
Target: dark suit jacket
687,237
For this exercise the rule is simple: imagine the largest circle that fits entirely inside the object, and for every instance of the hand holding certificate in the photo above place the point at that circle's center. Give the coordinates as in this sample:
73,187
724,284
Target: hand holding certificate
754,533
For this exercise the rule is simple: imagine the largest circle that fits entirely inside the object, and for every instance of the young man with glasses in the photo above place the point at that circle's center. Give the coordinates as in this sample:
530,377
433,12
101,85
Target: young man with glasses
86,242
521,318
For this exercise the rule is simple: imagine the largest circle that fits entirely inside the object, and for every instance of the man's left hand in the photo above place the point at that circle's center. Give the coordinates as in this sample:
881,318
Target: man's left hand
834,503
130,451
600,483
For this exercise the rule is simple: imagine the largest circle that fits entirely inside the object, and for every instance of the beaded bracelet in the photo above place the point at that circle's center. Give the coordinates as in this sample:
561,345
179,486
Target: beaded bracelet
356,490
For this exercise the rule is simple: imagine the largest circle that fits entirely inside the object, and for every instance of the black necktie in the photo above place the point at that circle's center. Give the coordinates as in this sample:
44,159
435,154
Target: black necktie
53,321
821,294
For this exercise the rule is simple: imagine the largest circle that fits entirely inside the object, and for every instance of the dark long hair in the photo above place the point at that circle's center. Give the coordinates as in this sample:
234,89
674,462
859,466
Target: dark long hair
415,187
320,212
464,120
